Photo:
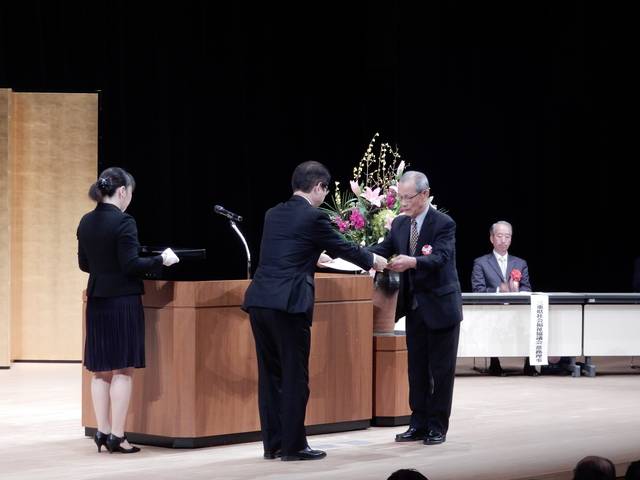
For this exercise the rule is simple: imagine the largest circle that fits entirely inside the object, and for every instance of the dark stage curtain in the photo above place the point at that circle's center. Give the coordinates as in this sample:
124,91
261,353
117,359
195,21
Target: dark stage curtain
515,112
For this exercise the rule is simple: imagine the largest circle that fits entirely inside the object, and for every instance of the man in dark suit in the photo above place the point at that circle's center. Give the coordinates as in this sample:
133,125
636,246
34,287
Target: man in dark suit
280,303
495,272
424,241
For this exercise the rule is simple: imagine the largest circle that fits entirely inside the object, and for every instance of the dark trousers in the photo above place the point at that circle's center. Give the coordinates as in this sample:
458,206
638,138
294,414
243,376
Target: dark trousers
283,341
432,367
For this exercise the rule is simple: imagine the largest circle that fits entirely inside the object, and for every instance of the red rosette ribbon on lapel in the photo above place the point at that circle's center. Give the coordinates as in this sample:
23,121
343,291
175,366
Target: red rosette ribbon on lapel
516,275
427,249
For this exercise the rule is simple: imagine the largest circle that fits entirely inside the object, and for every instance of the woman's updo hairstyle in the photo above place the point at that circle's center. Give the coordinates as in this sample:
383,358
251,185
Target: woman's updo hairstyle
109,181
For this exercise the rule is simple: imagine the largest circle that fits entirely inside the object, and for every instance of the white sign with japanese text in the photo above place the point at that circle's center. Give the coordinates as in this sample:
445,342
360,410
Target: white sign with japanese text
539,329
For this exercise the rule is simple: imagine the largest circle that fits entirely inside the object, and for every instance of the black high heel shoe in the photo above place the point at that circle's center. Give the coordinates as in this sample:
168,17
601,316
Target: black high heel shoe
100,439
113,444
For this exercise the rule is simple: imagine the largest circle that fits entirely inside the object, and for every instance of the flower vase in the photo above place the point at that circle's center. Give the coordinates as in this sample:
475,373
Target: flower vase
385,297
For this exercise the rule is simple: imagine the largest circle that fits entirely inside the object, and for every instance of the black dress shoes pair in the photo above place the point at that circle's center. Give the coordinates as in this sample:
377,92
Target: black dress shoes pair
304,454
432,437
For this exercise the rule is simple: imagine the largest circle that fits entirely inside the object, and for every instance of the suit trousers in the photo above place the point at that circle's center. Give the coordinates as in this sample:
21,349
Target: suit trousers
432,366
283,342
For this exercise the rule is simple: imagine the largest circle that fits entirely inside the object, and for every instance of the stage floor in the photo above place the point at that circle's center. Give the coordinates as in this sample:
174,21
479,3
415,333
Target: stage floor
512,427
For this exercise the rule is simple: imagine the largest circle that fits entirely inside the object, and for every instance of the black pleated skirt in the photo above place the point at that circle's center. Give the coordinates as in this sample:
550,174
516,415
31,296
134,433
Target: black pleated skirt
115,333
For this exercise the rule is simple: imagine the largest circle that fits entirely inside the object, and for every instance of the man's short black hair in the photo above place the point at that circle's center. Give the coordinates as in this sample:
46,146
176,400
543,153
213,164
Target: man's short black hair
308,174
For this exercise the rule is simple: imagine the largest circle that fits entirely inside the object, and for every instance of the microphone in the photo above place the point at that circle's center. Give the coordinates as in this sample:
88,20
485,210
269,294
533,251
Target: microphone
230,215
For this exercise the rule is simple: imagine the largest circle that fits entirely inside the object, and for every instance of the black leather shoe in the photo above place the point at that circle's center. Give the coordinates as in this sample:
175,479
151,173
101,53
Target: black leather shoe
411,435
434,438
270,455
304,454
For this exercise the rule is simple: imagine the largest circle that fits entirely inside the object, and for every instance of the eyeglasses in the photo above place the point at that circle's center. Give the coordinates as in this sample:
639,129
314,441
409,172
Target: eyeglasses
324,186
406,198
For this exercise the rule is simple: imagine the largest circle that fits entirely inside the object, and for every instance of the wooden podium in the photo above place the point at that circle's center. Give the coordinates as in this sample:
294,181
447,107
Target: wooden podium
199,387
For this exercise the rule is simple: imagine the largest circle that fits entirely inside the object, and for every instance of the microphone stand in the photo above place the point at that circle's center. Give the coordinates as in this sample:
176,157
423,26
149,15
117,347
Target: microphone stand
246,247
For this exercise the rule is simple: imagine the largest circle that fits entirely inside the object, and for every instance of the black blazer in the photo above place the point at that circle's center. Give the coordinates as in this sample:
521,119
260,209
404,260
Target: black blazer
294,235
434,282
108,250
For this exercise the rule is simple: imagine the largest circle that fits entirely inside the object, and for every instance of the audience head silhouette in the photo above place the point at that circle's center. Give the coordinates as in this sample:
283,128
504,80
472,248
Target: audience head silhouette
633,472
407,474
594,468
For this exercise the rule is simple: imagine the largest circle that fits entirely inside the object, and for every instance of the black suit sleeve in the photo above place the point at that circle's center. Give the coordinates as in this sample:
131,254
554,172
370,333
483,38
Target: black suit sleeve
128,251
386,248
83,261
478,283
525,284
326,238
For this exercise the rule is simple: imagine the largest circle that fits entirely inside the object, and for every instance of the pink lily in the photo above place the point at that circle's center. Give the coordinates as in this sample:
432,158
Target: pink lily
355,188
373,196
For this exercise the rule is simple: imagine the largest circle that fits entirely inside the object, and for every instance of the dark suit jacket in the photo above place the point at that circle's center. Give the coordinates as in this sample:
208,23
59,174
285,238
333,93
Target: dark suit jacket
434,282
294,235
487,276
108,250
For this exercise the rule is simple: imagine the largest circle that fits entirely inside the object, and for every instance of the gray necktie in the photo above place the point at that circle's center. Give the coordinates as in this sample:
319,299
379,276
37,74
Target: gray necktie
413,239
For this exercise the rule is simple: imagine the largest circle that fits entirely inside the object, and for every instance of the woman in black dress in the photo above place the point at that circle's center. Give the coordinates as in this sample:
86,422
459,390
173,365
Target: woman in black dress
108,250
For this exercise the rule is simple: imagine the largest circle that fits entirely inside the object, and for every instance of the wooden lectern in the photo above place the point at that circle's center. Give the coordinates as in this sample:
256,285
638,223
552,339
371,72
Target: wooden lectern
199,387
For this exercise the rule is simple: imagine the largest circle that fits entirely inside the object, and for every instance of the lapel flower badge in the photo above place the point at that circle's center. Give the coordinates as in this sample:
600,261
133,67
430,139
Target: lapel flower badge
516,275
427,249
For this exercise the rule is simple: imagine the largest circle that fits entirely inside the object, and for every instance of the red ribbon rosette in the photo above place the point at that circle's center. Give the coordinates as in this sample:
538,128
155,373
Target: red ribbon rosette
427,249
516,275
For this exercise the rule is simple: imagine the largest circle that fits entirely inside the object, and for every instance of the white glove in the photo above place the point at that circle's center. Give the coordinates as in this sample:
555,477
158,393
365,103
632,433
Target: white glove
169,258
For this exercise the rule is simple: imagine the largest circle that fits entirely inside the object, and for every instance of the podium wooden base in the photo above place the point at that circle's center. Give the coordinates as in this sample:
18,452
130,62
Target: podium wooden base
200,384
391,383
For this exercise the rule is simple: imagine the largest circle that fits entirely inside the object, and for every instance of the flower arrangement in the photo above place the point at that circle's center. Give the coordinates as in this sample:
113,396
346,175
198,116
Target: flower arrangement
364,213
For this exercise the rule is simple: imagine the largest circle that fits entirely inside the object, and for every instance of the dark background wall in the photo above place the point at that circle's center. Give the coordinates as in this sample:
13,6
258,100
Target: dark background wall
514,112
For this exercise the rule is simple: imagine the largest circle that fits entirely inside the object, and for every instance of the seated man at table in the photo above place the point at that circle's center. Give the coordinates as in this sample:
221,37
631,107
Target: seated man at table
499,272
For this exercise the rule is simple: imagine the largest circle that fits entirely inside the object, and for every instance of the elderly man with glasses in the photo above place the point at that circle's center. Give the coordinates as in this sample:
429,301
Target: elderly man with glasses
424,241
